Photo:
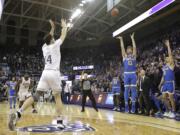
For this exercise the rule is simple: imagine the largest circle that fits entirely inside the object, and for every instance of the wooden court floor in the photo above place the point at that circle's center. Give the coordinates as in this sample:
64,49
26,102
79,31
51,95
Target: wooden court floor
105,122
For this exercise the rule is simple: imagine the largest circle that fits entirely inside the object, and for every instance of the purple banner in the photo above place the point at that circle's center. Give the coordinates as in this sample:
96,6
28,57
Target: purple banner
160,5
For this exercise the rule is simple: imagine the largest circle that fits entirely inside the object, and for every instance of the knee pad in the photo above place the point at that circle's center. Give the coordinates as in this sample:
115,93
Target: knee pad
37,95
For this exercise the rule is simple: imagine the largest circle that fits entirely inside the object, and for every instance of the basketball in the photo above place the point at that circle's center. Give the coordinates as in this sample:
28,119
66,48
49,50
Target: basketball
114,12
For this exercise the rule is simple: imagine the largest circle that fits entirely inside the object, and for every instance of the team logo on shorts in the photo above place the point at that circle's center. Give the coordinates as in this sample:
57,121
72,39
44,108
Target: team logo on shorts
72,127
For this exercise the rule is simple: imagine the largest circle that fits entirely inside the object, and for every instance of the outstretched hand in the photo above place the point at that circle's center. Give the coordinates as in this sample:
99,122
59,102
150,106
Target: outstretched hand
63,23
132,35
166,42
52,23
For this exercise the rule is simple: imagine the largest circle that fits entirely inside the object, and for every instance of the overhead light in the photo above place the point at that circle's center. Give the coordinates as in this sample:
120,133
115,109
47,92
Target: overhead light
143,16
83,1
76,13
81,4
89,0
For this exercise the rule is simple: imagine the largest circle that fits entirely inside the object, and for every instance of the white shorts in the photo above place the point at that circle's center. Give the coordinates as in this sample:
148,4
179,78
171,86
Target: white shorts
24,95
50,79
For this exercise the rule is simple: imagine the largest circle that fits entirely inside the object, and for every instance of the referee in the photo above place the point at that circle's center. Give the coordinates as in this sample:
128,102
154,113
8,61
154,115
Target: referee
86,91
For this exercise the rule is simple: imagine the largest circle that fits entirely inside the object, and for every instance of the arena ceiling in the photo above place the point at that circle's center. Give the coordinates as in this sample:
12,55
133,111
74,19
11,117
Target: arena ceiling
94,23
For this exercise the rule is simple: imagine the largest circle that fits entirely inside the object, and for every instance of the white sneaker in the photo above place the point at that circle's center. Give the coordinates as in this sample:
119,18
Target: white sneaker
166,114
12,121
171,115
115,109
58,123
118,109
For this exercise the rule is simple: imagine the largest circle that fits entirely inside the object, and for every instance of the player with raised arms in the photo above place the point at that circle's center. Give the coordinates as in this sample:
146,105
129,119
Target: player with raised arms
130,79
50,78
167,84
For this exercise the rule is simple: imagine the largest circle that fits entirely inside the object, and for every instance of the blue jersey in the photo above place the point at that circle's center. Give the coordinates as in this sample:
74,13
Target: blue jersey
168,73
115,82
12,86
129,63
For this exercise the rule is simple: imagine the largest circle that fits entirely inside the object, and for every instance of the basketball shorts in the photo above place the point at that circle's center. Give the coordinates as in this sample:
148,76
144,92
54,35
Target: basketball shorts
50,79
130,80
12,93
24,95
116,90
168,87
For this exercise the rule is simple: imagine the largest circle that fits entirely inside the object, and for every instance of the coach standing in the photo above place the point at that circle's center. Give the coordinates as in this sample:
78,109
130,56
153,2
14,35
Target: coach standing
144,89
86,91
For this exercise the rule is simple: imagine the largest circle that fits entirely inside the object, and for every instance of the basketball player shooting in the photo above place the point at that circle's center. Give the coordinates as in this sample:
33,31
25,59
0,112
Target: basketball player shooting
50,78
130,79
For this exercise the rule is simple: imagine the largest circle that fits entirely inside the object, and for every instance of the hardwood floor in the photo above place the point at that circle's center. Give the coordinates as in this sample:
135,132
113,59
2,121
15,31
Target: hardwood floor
105,122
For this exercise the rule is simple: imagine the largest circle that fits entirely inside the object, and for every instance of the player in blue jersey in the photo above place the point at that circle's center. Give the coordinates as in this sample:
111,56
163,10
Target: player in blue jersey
167,84
116,89
12,92
130,79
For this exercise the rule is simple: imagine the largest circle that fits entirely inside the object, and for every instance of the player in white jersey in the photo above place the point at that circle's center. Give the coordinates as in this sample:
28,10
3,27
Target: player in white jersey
50,78
24,87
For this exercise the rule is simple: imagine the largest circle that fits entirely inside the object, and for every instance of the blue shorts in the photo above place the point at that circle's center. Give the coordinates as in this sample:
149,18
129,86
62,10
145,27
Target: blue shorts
168,87
130,79
116,91
12,93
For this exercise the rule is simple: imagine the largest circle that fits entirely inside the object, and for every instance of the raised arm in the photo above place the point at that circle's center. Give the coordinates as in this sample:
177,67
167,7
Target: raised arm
81,78
166,42
122,46
64,30
52,28
134,44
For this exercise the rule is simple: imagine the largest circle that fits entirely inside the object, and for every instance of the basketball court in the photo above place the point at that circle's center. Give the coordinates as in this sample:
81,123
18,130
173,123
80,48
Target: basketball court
104,122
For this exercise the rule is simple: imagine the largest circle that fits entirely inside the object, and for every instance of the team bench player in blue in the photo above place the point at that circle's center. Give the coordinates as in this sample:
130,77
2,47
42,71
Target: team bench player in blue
12,92
116,90
130,79
167,84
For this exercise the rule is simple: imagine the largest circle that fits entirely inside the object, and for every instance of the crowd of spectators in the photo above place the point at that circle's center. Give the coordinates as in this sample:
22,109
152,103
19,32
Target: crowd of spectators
106,60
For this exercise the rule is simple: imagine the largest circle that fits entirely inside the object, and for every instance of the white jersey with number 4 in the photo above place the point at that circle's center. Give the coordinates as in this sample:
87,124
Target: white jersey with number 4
52,55
50,78
24,85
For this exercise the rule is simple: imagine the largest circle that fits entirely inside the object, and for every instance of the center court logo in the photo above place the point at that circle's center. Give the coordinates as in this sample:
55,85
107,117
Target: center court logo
73,127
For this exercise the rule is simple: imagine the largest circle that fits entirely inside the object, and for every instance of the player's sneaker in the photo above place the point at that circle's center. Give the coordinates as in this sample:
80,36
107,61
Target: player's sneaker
83,110
118,109
126,108
115,109
132,111
166,114
34,111
96,109
159,113
12,121
171,115
59,123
